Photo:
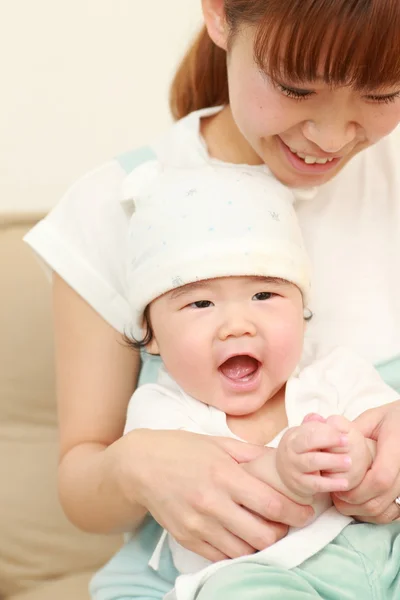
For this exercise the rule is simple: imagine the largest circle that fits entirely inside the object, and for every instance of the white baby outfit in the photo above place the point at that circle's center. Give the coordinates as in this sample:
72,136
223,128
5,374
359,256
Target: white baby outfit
339,383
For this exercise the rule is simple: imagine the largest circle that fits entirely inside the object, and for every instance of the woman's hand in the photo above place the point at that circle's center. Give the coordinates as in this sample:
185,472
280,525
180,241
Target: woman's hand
194,486
373,500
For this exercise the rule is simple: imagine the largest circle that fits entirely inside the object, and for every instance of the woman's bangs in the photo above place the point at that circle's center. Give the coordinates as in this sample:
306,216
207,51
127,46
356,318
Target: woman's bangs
341,42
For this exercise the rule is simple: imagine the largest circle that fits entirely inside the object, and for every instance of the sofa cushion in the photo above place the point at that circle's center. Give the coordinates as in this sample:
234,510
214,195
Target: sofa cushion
73,587
37,543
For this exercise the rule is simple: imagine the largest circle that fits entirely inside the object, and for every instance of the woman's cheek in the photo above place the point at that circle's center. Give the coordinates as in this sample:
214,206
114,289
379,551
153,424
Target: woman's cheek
260,112
380,121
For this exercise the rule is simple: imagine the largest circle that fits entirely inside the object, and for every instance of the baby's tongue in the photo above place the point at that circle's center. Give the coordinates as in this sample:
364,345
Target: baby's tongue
239,367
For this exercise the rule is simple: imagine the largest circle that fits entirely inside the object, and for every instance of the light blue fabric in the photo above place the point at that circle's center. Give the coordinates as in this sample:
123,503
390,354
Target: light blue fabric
150,367
361,563
127,575
129,160
390,372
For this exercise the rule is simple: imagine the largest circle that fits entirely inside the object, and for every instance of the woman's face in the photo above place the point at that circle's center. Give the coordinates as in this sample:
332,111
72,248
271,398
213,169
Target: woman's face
305,134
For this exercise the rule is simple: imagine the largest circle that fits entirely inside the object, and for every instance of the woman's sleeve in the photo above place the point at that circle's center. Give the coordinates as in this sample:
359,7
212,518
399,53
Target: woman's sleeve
83,238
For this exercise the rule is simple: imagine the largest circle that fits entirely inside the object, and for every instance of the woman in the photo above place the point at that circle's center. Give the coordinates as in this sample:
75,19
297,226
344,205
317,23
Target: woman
311,88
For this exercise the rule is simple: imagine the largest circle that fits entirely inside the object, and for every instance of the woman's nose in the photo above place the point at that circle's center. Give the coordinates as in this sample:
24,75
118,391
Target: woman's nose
331,136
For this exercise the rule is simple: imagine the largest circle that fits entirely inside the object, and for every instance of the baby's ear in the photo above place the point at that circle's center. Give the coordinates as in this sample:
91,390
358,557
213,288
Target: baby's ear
307,314
152,347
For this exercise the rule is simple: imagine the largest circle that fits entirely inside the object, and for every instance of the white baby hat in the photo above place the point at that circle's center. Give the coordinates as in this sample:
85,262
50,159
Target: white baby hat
205,222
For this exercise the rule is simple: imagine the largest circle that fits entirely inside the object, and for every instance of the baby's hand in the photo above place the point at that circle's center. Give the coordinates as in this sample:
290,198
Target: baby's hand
303,458
360,451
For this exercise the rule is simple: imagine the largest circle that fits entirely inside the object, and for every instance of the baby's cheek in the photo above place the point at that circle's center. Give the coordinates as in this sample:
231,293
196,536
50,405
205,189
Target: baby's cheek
288,346
188,363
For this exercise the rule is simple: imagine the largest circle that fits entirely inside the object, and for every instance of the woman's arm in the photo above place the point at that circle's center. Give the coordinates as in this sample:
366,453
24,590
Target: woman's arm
193,485
96,375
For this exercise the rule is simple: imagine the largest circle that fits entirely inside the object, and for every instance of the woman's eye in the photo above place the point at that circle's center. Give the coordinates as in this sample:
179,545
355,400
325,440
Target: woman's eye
295,93
263,296
201,304
384,99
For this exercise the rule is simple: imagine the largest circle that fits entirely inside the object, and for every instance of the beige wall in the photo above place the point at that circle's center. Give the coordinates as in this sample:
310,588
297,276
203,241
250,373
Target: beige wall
81,81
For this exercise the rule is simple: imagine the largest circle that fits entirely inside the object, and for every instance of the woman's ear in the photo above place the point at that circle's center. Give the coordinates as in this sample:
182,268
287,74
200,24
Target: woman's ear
215,21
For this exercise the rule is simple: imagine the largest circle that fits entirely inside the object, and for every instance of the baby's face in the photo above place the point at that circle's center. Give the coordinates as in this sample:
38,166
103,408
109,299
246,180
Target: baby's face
230,342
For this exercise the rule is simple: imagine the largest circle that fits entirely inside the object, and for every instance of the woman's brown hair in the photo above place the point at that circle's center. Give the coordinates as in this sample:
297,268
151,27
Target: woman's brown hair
351,42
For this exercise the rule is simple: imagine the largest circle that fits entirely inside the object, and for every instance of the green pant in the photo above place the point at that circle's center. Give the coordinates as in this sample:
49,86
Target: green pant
362,563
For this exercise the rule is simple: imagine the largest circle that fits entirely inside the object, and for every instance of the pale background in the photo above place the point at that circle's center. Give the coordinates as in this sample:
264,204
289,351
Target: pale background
80,82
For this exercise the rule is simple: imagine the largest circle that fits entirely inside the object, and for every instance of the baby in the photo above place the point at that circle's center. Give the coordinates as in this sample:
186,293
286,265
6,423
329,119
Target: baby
220,282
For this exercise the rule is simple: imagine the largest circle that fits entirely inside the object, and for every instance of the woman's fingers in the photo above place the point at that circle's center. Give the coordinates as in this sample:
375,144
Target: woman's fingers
215,542
379,509
373,500
241,452
266,502
238,532
371,512
256,531
372,421
207,551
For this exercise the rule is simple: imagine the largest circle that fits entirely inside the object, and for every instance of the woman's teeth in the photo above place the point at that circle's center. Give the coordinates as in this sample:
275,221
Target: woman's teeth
311,160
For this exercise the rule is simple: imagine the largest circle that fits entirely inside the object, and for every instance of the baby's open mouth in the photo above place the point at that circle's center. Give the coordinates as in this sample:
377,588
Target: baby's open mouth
240,368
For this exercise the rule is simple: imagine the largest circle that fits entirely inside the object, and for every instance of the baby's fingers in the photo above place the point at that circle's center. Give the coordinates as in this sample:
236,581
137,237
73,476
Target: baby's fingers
316,436
309,462
314,417
318,484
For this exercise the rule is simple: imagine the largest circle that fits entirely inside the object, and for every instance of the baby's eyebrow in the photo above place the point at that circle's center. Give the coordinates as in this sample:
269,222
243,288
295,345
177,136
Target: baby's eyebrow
269,280
196,286
186,289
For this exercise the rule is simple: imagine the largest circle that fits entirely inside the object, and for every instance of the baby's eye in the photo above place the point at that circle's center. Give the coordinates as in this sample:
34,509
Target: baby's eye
263,296
201,304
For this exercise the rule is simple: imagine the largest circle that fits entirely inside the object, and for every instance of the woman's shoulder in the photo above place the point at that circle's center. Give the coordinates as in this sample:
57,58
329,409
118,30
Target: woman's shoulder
180,145
100,188
83,238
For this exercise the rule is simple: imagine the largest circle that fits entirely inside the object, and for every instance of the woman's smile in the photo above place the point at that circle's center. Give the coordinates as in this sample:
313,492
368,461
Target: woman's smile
307,163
